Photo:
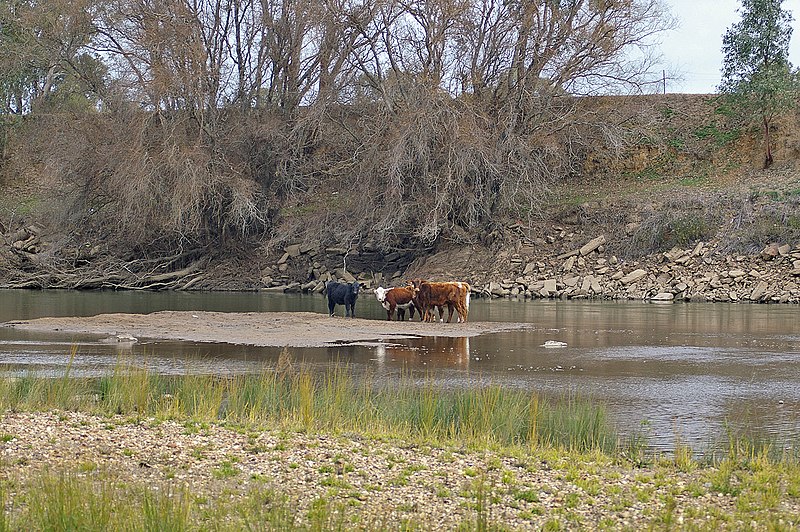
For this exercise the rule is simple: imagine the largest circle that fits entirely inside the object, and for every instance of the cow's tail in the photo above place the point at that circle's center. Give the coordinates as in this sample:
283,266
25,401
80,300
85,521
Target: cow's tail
468,289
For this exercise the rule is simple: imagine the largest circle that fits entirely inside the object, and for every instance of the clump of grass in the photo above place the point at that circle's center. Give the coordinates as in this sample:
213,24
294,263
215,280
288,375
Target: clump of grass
332,401
754,231
679,222
68,501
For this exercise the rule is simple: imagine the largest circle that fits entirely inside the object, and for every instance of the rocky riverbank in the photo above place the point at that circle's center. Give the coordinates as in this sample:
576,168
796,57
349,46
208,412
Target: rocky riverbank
722,240
735,241
375,483
699,273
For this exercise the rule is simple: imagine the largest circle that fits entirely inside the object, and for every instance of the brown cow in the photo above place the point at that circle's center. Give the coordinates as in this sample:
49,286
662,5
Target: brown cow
396,298
433,294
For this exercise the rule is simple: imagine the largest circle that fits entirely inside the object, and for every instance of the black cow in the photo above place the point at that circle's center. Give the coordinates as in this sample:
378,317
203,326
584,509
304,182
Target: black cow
342,294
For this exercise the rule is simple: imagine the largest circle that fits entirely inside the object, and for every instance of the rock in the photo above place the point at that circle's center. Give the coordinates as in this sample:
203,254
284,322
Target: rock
760,291
663,296
344,274
292,288
550,286
634,276
592,245
784,250
770,252
283,259
590,285
529,268
674,254
495,289
569,264
276,288
553,344
737,273
568,254
595,285
293,250
309,286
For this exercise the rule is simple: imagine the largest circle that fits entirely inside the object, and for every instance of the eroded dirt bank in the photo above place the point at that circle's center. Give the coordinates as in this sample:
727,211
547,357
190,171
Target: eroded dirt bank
264,329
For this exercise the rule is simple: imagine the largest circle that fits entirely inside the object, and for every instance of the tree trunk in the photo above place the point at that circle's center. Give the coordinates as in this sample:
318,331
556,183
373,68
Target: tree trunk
767,148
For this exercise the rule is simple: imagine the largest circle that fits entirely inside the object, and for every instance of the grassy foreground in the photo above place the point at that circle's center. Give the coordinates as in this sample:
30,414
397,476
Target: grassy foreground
287,449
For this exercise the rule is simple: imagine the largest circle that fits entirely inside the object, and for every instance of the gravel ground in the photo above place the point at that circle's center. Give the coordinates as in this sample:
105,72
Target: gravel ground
383,481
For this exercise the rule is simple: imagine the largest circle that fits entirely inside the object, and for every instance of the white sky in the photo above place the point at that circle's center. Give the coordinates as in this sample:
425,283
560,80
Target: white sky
694,49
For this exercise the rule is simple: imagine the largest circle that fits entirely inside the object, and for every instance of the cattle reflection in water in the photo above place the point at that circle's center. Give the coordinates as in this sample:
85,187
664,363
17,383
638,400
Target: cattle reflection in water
429,352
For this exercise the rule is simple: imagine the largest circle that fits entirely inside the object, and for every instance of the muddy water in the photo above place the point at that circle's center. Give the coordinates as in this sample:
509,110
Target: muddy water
679,372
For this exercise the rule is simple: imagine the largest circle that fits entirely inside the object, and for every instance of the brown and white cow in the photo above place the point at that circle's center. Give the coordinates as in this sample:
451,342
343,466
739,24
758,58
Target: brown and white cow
455,295
396,298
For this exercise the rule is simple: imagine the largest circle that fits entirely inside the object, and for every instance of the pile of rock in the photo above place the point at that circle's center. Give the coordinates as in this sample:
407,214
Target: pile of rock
306,268
696,274
699,273
26,240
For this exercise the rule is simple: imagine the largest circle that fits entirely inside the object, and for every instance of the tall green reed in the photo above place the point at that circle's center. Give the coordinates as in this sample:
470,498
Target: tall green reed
331,400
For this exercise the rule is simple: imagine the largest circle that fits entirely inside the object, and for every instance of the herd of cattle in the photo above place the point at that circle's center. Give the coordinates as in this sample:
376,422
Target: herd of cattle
424,297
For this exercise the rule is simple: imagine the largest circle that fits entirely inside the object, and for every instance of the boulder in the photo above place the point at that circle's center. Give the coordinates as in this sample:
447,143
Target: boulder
633,276
592,245
759,292
770,252
663,296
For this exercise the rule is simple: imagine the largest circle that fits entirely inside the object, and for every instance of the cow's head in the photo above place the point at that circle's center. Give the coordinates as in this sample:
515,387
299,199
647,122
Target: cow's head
380,294
355,287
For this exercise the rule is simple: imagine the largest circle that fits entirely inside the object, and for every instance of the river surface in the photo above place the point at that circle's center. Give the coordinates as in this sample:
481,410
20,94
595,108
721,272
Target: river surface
677,372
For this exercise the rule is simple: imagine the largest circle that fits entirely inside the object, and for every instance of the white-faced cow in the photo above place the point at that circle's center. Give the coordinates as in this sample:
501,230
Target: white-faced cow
396,298
342,294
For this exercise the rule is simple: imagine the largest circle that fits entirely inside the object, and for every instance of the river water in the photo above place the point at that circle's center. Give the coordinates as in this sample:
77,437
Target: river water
677,372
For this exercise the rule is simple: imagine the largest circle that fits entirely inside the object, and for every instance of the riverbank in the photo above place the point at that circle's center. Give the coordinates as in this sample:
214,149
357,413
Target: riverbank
287,449
734,239
714,240
207,474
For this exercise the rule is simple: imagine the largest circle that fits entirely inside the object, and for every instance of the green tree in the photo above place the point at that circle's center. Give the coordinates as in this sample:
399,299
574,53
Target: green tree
756,73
